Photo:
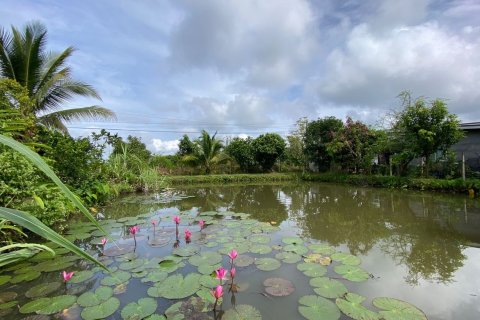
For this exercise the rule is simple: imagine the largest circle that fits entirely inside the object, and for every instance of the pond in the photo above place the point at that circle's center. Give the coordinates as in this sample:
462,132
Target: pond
301,247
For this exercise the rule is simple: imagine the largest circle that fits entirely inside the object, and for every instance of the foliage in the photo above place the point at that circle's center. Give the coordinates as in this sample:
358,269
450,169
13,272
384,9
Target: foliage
230,178
352,146
135,147
46,76
317,136
242,151
186,146
207,153
268,148
295,152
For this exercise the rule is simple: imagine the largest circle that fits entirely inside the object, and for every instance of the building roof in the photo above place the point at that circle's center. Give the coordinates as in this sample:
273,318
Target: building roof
470,125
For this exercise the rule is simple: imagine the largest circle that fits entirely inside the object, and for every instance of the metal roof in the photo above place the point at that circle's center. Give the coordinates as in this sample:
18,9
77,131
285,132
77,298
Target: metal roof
470,125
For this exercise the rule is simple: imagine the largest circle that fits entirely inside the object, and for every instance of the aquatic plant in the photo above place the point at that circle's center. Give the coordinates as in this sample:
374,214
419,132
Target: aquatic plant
221,274
217,294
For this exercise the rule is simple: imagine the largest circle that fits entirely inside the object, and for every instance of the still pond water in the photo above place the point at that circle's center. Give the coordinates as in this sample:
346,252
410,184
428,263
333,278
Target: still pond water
422,248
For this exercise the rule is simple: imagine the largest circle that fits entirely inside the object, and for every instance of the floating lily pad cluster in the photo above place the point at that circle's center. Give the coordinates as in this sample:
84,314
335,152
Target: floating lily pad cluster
164,270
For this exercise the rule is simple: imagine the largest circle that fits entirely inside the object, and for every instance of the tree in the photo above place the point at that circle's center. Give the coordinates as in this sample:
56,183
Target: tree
317,135
268,148
426,127
185,146
352,147
207,153
242,151
46,77
295,152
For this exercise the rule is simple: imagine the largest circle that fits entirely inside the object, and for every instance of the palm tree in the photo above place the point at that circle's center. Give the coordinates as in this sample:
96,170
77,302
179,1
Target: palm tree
208,152
46,76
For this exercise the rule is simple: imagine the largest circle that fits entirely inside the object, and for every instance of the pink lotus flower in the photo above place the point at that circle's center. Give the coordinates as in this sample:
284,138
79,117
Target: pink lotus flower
67,276
233,254
104,241
232,272
176,219
134,230
188,234
201,223
217,292
154,222
221,274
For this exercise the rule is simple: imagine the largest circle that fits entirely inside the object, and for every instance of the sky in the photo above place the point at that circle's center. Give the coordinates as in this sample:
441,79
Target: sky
247,67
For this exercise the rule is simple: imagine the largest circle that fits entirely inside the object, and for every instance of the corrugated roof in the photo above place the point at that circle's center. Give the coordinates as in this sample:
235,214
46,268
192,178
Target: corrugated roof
470,125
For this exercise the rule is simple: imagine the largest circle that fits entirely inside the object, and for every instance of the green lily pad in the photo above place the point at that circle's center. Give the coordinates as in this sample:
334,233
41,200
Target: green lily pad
312,269
242,312
288,257
278,287
90,299
352,273
292,240
207,269
115,278
176,287
170,265
54,265
139,310
243,260
156,317
241,248
395,309
29,276
209,281
8,305
57,304
298,249
260,249
193,308
129,265
35,305
352,307
267,264
118,250
186,251
205,258
346,258
321,248
328,288
318,258
101,311
315,307
82,276
207,296
159,241
4,279
43,289
7,296
155,276
260,238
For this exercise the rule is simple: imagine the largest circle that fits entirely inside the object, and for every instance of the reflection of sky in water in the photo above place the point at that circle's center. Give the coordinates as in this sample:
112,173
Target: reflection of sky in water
416,245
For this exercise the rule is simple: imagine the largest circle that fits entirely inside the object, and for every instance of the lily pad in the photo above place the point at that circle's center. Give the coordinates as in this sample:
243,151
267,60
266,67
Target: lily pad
260,249
4,279
209,281
115,278
35,305
118,250
205,258
158,241
82,276
288,257
242,312
352,273
243,260
170,265
90,299
155,276
101,311
318,258
328,288
311,269
208,269
267,264
133,264
43,289
321,248
395,309
139,310
176,287
346,258
57,304
186,251
352,307
7,296
241,248
298,249
260,238
292,240
28,276
193,308
278,287
315,307
54,265
8,305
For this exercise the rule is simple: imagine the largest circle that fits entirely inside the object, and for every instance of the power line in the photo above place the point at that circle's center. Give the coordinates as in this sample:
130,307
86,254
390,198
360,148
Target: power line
172,131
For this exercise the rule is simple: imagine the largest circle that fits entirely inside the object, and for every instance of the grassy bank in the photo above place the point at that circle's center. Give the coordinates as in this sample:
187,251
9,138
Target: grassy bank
231,178
443,185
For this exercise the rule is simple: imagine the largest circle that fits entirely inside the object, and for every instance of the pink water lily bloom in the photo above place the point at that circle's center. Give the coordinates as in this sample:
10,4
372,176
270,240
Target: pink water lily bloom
67,275
217,292
154,222
233,254
201,223
232,272
134,230
221,274
176,219
188,234
104,241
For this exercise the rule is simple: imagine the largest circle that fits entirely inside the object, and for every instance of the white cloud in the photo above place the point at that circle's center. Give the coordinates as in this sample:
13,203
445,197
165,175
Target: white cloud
165,147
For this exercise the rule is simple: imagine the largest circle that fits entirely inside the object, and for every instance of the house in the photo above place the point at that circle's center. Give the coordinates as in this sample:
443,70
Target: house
469,145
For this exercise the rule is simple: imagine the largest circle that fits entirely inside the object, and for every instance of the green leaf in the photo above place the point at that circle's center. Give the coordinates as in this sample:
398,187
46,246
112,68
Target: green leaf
352,273
260,249
28,276
43,289
155,276
267,264
4,279
242,312
33,224
298,249
101,311
39,201
315,307
205,258
90,299
311,269
278,287
346,258
328,288
35,305
139,310
82,276
352,307
176,287
398,310
288,257
321,248
57,304
116,278
292,240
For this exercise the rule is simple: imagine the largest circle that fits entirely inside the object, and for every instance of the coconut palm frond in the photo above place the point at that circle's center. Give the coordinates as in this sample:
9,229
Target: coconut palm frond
67,115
